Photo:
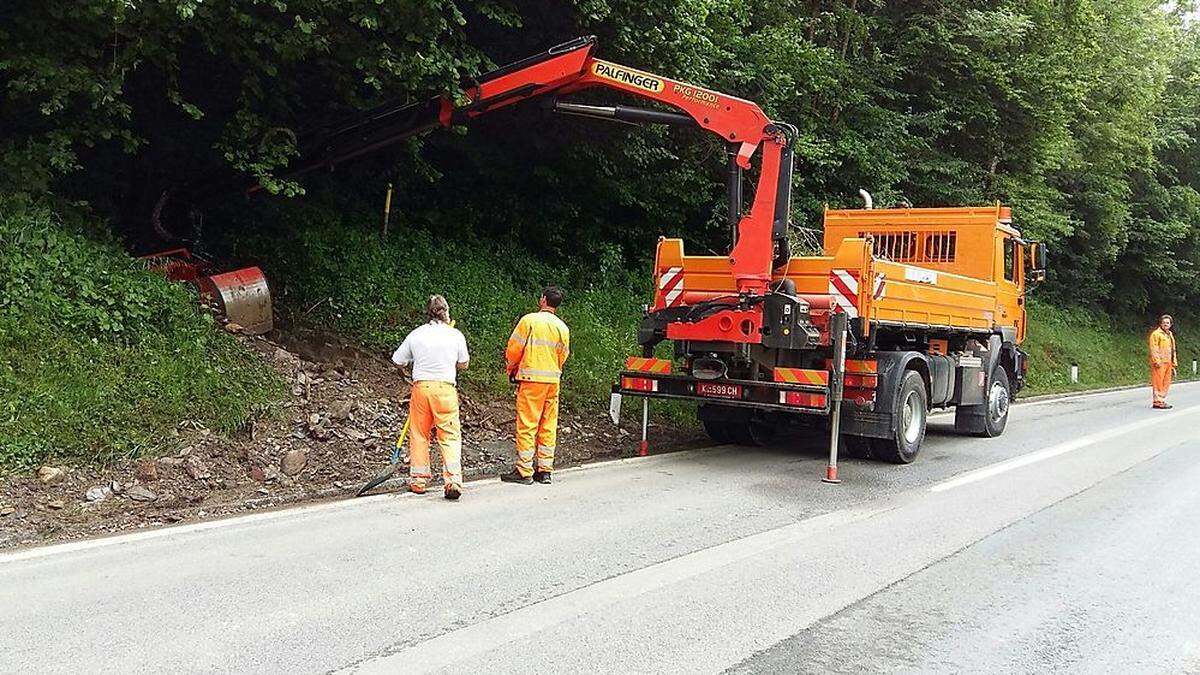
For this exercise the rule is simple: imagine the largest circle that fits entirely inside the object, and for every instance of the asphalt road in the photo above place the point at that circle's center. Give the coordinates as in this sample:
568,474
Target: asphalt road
1070,544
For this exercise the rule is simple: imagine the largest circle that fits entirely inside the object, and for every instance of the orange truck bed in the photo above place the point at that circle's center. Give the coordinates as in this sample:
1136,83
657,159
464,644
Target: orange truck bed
942,268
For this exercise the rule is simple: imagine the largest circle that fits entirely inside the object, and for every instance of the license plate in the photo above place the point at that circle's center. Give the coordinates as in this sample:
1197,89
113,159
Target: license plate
718,390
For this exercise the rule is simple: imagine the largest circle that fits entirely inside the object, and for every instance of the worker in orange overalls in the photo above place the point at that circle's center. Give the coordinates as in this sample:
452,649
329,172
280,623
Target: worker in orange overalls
435,351
1162,360
535,354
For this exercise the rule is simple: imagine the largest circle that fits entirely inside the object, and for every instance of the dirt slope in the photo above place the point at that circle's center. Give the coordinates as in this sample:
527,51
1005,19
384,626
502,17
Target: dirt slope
334,432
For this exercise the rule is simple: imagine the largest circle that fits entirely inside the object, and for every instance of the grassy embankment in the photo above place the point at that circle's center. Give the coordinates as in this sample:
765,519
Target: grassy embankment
1109,353
337,274
99,359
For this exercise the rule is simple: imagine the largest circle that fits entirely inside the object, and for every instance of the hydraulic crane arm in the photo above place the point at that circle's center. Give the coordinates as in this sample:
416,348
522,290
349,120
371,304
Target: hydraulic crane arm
571,67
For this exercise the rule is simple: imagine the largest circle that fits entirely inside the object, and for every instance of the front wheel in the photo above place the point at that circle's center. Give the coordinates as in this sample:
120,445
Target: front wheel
910,411
998,399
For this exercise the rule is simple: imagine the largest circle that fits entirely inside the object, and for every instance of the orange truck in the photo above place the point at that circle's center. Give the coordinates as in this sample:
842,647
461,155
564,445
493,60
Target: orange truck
927,305
935,305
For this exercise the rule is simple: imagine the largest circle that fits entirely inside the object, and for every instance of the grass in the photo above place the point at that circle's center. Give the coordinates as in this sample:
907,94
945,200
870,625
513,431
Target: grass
1109,353
335,271
100,359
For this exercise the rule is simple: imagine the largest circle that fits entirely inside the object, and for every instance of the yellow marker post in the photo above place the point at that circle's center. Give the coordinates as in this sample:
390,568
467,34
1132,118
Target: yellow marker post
387,210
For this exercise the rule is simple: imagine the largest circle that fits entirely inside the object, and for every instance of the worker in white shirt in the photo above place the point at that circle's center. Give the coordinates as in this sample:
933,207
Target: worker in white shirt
435,352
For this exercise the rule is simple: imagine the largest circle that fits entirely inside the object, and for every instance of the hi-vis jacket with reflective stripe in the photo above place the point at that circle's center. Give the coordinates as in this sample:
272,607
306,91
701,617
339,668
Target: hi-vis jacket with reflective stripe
1162,348
538,347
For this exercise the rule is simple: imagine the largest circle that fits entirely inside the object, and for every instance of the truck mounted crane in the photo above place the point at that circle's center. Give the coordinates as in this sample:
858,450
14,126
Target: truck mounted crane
929,303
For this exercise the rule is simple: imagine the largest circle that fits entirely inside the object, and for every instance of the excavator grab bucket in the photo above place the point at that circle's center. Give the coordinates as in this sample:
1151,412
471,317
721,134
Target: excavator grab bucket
241,296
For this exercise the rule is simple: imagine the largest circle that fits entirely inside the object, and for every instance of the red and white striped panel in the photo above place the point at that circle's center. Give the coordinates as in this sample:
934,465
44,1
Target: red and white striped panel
671,285
843,291
879,286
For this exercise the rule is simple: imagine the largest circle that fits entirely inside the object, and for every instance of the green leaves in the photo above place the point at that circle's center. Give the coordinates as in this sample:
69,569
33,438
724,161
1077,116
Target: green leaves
100,358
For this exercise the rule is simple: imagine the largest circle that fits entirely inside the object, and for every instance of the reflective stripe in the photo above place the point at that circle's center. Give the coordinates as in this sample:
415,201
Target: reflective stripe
537,342
519,339
539,373
547,448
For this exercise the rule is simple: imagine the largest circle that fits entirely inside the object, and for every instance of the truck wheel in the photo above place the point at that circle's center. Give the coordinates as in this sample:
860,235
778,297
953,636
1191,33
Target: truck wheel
720,431
759,431
858,447
998,399
912,407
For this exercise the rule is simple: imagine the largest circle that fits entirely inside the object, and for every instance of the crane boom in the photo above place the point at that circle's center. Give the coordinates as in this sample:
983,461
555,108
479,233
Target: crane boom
570,67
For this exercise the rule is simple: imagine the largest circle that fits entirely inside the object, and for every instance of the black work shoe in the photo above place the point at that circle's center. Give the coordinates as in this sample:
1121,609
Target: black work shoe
452,492
515,476
542,477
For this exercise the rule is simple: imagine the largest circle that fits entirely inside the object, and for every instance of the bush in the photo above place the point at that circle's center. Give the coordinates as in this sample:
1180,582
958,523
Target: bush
334,273
1109,353
101,358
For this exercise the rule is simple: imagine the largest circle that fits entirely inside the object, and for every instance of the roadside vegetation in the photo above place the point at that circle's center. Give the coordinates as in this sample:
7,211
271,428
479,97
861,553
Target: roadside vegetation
1109,352
1084,116
336,271
101,359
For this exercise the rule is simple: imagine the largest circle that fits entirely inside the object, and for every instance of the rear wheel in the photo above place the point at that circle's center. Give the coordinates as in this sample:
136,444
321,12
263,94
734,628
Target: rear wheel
741,427
858,447
910,411
720,431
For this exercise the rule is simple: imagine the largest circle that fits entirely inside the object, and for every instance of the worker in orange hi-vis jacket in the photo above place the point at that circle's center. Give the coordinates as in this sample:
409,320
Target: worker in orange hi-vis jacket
435,351
535,354
1162,361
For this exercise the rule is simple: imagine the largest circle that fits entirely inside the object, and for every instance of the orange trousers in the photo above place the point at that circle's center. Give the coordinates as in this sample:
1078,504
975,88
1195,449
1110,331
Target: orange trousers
434,406
537,426
1160,381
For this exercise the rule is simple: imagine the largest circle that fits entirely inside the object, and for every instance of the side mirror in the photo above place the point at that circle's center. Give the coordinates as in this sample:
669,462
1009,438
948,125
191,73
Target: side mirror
1038,255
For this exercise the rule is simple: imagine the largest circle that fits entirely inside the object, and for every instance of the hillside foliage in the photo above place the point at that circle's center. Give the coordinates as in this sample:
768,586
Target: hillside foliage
1082,114
99,358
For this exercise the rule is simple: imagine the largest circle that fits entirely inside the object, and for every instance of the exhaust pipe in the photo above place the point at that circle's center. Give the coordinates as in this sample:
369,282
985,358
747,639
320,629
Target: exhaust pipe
868,202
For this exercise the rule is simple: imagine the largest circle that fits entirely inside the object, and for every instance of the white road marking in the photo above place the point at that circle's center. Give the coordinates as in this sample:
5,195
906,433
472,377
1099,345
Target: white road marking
336,504
533,620
1007,465
350,503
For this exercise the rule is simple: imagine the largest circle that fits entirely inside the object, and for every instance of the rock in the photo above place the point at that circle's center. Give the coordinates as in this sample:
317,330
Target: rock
298,390
141,493
257,474
116,487
283,356
98,493
7,510
356,434
315,420
185,451
55,504
293,462
50,474
341,410
196,469
234,327
170,462
147,470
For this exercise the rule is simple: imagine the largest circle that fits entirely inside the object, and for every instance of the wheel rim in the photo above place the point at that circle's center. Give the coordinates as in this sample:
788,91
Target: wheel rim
997,402
912,417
